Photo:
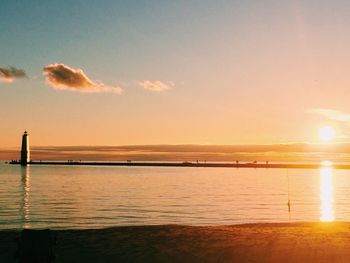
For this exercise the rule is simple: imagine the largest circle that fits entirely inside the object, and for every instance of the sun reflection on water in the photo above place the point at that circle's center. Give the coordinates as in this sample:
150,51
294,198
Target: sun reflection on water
326,192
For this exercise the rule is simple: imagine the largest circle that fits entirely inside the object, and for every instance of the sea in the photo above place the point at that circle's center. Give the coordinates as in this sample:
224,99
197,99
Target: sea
82,197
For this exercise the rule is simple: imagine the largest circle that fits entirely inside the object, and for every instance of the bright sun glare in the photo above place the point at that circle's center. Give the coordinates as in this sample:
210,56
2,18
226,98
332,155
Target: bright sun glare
327,133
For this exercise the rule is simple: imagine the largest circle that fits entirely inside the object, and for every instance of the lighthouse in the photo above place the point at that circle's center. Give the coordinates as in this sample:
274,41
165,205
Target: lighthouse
25,152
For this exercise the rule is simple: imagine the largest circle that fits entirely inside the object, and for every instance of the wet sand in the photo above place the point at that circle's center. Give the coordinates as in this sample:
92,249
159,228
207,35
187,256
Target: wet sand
290,242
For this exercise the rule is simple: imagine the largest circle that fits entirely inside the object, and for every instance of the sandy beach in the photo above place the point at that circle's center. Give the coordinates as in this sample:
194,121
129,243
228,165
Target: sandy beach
287,242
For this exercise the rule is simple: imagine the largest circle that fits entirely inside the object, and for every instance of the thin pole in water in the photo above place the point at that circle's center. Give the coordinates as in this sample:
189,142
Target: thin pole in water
288,194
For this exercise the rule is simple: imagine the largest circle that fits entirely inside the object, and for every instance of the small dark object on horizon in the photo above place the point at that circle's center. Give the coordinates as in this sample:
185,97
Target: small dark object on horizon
36,246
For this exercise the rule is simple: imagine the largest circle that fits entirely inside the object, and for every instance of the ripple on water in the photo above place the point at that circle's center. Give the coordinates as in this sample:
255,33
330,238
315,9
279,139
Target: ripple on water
77,197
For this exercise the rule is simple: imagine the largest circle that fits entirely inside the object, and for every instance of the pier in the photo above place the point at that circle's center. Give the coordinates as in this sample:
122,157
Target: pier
25,160
190,164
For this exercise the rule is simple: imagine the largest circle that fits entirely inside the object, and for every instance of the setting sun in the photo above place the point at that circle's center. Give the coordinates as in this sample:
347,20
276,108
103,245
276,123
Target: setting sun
327,134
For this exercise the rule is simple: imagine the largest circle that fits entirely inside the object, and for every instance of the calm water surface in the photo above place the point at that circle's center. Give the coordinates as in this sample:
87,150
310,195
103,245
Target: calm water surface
94,197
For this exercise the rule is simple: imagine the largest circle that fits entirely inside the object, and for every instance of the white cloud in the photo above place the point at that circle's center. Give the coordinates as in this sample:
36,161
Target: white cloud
157,85
331,114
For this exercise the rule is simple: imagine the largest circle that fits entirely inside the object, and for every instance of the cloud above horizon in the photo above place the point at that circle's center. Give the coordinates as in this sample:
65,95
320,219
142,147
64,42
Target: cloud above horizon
157,85
62,77
331,114
9,74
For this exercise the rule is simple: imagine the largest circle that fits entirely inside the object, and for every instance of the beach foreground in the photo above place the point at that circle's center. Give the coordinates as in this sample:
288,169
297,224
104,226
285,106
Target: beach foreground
285,242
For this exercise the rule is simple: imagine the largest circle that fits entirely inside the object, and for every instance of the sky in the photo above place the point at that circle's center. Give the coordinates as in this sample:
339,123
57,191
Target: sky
113,72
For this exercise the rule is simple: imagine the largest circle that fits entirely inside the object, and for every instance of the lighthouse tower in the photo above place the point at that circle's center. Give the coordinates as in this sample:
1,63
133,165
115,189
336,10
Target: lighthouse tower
25,152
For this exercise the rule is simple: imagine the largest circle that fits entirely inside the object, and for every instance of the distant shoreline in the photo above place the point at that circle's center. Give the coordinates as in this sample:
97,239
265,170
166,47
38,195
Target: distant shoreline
190,164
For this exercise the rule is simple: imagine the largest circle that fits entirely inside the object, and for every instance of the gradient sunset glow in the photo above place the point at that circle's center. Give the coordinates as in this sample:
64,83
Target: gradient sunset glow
147,73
